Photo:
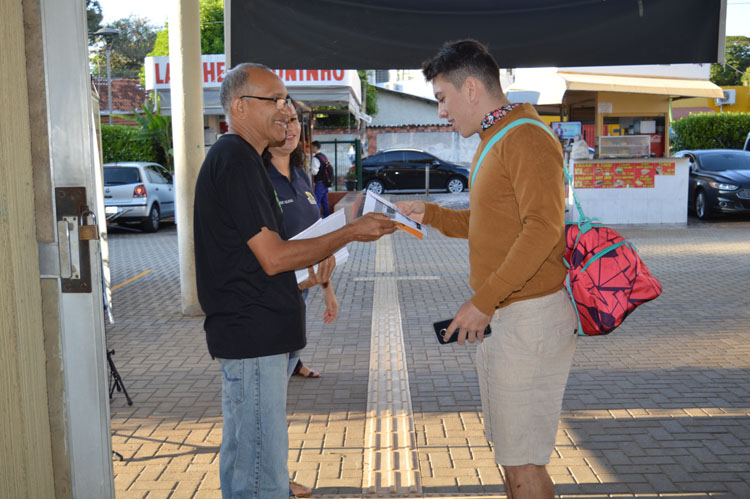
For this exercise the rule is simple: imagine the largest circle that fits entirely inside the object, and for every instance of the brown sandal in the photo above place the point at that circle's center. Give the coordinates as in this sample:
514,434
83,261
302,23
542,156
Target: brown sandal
309,374
300,490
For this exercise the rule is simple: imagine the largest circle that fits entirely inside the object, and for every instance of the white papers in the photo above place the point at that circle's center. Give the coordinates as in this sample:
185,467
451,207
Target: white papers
376,204
323,226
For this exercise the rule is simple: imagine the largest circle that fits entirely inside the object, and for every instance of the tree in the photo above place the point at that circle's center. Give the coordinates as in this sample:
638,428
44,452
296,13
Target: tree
156,130
212,30
129,48
372,94
121,142
93,18
737,57
711,131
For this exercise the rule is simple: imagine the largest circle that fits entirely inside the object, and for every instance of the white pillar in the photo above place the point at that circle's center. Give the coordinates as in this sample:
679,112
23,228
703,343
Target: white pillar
187,134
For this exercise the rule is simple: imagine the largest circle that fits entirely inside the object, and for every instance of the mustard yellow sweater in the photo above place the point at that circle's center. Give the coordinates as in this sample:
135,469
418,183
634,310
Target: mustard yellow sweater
516,221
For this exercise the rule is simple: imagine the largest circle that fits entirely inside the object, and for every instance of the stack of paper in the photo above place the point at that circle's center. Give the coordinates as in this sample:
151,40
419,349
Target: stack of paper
323,226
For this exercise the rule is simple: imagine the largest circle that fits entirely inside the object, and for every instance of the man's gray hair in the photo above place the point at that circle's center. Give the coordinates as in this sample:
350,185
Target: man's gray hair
235,81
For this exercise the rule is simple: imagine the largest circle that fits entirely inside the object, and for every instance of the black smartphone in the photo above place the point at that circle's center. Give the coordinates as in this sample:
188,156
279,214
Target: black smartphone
440,331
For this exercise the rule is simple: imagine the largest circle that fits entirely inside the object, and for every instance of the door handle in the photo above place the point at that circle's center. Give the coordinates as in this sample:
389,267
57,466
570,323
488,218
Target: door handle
74,256
63,231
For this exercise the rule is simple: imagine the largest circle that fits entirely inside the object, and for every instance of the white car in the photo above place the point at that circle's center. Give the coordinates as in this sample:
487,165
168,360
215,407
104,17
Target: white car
136,191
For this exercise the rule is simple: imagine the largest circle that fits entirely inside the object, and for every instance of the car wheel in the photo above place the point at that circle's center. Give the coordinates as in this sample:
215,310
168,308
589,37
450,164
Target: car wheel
702,210
151,222
456,184
376,186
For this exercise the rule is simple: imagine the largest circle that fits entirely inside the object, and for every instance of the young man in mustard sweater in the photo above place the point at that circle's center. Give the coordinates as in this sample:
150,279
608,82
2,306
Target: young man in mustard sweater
516,233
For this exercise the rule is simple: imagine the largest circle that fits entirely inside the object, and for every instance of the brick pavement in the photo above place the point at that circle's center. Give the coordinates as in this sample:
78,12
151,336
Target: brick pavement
658,409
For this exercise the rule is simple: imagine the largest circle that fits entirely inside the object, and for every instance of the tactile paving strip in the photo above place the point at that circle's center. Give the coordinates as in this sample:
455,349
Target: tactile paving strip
391,462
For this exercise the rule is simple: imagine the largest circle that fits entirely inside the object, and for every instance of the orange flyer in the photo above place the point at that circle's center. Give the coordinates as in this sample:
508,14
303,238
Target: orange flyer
376,204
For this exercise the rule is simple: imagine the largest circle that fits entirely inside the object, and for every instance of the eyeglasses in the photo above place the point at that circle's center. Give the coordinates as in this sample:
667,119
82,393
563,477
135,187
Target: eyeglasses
279,102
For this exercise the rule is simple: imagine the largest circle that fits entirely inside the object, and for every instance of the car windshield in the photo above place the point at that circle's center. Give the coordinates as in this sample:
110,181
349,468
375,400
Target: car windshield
121,175
725,160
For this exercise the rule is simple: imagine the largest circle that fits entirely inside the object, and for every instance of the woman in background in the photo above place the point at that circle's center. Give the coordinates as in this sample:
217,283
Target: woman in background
285,163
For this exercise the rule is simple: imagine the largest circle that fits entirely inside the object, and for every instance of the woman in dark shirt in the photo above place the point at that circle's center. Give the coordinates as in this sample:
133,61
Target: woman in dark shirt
286,169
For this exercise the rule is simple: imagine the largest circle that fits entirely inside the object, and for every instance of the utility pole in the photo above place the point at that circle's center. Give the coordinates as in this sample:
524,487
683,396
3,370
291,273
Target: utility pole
362,132
108,34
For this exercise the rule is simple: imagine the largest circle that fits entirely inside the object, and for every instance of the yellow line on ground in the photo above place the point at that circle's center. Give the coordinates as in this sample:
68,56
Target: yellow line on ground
124,283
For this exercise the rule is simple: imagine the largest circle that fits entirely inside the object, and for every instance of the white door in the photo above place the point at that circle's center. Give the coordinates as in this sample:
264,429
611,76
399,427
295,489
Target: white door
73,152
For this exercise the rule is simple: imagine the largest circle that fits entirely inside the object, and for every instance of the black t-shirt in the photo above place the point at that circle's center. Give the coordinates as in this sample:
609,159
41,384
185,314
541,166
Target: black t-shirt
296,199
248,313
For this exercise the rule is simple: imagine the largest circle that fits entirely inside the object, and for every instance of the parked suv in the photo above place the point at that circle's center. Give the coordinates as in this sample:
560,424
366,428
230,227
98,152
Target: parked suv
138,192
405,169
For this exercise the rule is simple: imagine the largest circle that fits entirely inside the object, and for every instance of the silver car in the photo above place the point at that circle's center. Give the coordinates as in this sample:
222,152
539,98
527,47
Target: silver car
136,191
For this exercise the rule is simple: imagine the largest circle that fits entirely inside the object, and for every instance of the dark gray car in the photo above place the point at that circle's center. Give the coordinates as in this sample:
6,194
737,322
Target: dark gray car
405,169
719,181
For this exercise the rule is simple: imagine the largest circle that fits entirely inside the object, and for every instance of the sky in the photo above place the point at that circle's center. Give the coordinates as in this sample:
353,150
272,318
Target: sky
738,13
738,18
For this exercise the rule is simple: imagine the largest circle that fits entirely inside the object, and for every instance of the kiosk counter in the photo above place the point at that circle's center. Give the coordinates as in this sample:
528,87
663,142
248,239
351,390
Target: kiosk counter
630,191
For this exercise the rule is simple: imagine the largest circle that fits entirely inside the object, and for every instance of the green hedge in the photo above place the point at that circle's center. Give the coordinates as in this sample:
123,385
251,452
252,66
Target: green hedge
711,131
120,143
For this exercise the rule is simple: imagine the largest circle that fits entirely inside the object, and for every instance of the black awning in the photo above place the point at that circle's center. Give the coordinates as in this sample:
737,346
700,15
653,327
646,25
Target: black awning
400,34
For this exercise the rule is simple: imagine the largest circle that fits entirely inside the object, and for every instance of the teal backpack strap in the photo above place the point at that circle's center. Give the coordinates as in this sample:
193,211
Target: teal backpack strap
579,329
499,135
581,216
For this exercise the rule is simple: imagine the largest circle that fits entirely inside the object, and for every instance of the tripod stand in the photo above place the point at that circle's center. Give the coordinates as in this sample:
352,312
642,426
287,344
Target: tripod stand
115,381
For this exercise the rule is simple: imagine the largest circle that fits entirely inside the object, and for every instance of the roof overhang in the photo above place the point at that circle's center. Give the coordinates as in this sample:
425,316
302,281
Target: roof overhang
310,97
400,34
673,87
544,87
324,87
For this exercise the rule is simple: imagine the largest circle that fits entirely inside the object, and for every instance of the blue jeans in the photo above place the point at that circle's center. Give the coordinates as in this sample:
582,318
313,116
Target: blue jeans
254,444
321,196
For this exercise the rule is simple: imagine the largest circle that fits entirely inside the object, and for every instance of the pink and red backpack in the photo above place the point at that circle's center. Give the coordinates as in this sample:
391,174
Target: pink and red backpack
606,278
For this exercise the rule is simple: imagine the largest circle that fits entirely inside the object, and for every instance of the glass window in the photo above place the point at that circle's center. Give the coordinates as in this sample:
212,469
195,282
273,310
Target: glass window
691,163
165,173
418,158
154,175
118,175
391,157
725,160
381,75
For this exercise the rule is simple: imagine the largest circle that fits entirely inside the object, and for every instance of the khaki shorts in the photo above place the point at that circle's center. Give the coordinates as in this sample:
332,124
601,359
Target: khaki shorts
523,368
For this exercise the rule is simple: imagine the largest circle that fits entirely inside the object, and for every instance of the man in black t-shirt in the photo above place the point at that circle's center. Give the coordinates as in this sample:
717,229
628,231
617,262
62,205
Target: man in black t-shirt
246,284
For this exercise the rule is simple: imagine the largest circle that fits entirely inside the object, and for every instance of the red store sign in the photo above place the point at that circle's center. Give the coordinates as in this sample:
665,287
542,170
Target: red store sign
157,71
